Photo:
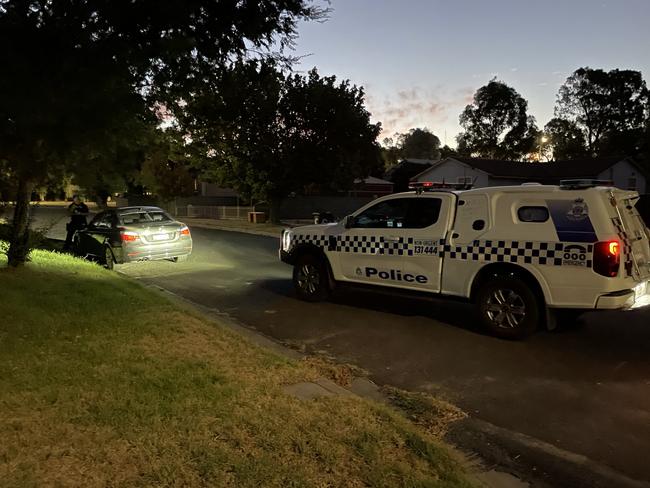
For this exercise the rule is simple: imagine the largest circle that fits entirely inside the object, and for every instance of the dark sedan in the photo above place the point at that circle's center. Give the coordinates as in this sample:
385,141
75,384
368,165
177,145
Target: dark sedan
129,234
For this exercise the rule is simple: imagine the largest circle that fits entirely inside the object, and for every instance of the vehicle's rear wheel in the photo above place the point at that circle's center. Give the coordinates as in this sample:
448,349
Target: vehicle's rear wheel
508,308
180,259
109,259
310,278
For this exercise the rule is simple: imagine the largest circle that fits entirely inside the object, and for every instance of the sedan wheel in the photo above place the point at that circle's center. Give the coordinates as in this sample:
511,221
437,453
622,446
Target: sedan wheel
109,261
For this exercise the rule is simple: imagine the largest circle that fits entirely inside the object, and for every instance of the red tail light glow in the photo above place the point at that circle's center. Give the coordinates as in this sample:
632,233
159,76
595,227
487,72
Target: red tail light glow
607,258
128,236
185,231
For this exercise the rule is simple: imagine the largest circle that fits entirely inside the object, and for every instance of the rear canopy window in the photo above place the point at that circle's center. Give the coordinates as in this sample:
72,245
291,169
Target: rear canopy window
533,214
143,217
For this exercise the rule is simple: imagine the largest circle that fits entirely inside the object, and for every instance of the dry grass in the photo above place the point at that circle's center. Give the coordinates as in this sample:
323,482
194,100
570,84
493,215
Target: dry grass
107,384
430,413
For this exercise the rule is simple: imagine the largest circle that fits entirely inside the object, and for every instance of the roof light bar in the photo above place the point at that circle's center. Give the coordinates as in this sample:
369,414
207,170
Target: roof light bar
421,186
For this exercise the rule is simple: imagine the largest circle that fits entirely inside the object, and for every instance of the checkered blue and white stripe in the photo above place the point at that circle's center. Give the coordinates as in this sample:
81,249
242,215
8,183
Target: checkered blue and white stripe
520,252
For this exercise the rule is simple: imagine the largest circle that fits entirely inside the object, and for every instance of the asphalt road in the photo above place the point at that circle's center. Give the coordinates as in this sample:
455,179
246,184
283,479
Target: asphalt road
586,390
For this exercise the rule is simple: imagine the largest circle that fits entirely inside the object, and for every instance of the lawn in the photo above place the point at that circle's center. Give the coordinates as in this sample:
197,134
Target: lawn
105,383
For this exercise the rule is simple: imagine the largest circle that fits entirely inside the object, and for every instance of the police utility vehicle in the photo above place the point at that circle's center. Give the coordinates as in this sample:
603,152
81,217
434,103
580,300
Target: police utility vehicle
525,255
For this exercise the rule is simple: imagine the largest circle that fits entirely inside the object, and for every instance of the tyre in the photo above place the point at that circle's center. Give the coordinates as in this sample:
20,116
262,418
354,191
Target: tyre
180,259
310,278
508,308
109,259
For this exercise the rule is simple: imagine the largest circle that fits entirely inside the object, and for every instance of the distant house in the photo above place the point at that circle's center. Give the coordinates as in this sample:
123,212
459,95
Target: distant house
624,172
405,170
371,187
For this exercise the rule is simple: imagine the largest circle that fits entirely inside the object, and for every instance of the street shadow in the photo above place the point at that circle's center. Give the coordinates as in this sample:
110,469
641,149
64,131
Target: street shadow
452,312
602,343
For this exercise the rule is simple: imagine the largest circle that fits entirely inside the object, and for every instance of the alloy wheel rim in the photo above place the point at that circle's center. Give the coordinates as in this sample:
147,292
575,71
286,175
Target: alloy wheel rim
308,278
506,308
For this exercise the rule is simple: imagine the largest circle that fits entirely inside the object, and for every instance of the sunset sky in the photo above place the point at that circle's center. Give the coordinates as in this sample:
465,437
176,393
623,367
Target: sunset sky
420,61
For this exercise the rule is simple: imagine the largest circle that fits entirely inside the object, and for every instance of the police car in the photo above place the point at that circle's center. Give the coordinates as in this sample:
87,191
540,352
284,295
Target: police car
526,255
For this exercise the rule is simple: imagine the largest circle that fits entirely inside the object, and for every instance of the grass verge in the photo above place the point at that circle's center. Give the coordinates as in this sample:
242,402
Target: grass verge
105,383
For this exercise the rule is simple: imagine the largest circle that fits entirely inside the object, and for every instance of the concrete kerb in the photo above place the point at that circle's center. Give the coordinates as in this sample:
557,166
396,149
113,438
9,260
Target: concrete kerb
539,462
500,450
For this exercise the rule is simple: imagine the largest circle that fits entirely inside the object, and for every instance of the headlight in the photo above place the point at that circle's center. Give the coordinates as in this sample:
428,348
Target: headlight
286,240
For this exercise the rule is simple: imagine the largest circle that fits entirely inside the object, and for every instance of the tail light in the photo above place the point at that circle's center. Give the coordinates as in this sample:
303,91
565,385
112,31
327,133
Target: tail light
129,236
607,258
185,231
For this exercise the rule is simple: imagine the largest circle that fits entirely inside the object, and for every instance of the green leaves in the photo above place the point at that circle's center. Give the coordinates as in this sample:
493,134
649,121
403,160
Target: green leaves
269,134
609,107
496,124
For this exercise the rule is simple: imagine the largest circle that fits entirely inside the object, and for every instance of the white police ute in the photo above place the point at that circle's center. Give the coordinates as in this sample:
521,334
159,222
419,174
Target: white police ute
525,255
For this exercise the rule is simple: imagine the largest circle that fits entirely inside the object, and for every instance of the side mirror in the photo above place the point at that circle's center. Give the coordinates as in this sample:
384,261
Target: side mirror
349,221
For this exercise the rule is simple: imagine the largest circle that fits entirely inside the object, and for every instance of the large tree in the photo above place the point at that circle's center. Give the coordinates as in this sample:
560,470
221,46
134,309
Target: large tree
268,134
496,124
79,76
419,144
564,139
610,107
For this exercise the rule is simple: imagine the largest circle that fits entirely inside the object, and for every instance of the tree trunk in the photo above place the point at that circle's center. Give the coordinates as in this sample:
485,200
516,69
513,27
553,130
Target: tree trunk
274,209
19,245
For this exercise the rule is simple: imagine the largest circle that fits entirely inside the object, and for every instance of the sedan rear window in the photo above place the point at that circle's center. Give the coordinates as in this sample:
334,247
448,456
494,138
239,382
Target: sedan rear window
143,217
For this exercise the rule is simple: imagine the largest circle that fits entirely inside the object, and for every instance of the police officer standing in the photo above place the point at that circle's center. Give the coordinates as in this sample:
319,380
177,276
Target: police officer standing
78,211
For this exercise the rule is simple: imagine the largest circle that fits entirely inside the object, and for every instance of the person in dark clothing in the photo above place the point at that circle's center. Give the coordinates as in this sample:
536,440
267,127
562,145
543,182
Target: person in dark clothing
78,211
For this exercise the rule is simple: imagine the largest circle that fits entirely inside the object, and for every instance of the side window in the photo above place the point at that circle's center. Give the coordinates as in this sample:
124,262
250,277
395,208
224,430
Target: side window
400,213
532,214
106,221
384,215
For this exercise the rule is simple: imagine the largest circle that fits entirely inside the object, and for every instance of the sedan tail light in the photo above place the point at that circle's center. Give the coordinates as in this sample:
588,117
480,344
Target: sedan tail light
185,230
129,236
607,258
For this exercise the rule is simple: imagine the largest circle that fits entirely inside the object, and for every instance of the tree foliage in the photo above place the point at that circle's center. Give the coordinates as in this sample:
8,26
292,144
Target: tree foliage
419,144
80,77
496,124
565,139
268,134
610,107
168,168
390,152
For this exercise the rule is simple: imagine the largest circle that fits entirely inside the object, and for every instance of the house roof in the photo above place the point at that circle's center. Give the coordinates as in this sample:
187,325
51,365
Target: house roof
410,165
371,180
419,161
575,168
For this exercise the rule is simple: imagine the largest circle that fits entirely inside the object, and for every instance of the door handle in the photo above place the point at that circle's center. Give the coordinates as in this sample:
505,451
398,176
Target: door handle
391,239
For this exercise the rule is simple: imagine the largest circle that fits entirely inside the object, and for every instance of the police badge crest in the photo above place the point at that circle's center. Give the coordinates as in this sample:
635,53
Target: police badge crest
578,211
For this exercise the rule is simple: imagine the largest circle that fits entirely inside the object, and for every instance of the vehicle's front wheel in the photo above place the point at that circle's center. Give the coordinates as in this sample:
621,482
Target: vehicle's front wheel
310,278
508,308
